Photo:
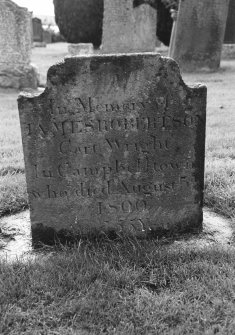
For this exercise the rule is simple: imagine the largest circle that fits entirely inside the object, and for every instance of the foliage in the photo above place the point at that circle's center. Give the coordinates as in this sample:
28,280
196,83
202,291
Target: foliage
80,21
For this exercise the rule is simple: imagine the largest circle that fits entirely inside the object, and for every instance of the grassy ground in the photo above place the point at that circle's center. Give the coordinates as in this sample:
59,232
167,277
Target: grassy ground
126,287
129,286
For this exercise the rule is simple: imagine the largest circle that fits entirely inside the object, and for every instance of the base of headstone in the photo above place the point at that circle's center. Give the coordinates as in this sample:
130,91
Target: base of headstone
23,77
228,51
16,239
39,44
158,43
80,49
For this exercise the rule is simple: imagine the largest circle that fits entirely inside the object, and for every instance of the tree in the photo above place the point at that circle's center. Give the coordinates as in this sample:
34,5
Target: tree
80,21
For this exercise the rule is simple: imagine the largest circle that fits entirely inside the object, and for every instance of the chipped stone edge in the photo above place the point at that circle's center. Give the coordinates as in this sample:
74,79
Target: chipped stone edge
59,65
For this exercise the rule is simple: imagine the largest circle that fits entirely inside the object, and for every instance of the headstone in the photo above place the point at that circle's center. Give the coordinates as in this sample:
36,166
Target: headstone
37,30
228,51
199,34
114,143
47,36
76,49
15,47
230,26
128,29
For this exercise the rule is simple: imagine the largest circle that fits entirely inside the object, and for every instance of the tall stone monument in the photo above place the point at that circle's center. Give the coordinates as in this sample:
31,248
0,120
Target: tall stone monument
15,47
230,26
115,143
199,34
128,29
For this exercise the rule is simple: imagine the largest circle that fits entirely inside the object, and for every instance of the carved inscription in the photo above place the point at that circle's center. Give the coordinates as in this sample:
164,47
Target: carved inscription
75,127
133,156
86,189
84,172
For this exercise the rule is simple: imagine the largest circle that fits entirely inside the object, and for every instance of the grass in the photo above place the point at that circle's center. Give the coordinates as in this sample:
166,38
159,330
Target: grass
123,287
13,195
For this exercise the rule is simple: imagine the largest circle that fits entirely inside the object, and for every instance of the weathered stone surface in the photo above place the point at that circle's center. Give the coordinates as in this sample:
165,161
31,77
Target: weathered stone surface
80,49
128,29
230,26
199,34
114,143
24,76
15,47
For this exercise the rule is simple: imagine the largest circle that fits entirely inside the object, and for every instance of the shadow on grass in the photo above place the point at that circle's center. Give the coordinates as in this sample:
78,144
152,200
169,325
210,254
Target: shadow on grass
114,284
42,236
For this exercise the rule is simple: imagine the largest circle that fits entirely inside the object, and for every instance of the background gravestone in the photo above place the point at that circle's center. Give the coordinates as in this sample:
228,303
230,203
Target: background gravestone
114,143
128,29
230,26
199,34
15,47
47,36
76,49
37,30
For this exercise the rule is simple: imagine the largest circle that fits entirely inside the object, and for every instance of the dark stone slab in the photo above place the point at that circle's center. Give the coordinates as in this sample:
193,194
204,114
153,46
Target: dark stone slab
37,30
199,34
230,26
114,144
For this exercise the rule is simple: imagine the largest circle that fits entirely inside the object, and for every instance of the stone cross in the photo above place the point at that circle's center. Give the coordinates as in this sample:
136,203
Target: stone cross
128,29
